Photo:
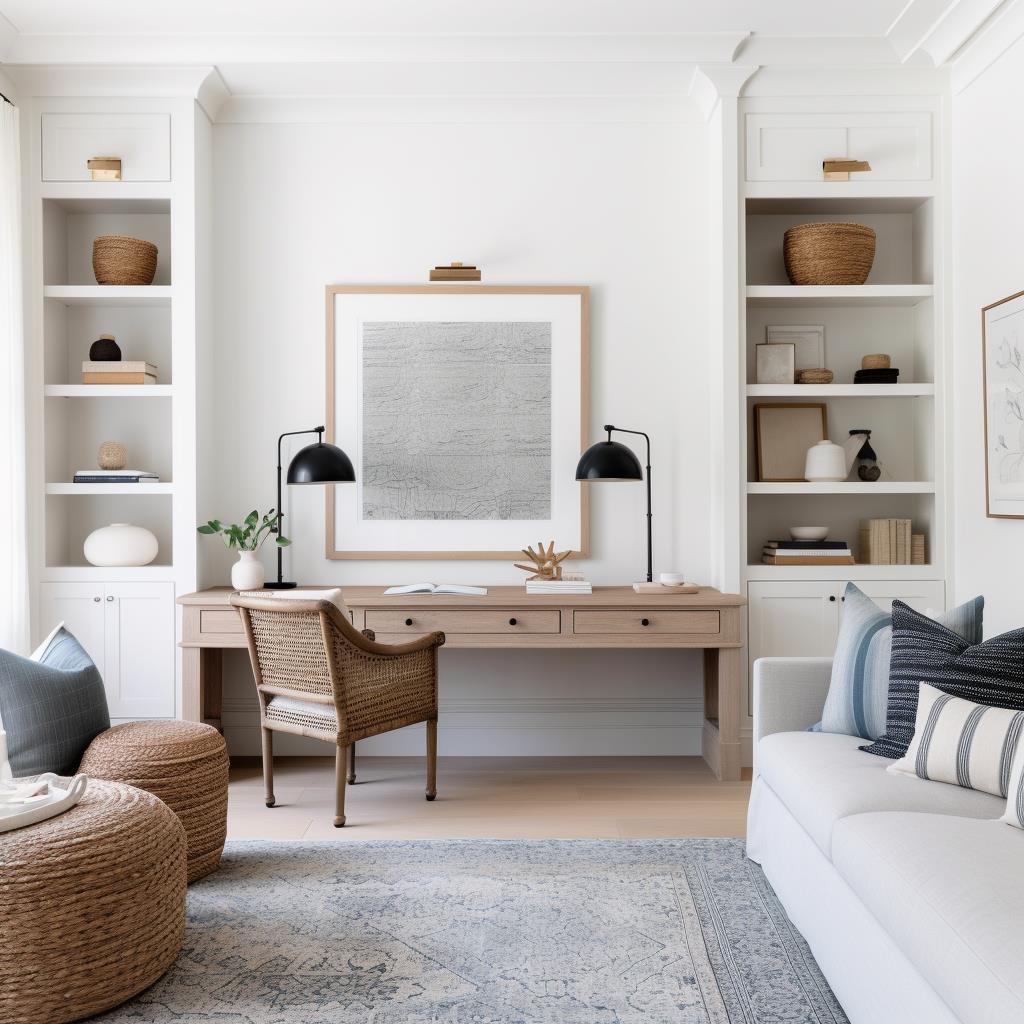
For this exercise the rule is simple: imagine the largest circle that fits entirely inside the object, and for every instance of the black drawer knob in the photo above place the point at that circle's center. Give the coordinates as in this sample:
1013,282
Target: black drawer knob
645,622
512,621
831,597
408,622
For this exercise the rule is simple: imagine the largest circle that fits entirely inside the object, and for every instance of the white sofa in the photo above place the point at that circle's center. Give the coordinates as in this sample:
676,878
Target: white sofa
910,893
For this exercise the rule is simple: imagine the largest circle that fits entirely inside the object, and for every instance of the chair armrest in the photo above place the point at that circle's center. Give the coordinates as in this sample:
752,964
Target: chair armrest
789,694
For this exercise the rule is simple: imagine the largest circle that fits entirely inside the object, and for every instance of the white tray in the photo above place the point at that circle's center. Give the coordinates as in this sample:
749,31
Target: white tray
57,801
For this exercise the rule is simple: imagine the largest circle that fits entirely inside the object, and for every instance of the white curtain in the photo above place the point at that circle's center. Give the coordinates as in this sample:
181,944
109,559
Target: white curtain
14,599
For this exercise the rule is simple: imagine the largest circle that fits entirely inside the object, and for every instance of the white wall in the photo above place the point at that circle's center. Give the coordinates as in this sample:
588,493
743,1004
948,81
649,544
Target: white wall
617,206
988,223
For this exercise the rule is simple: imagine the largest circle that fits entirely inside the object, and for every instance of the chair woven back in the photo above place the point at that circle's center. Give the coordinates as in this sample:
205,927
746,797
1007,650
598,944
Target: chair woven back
291,651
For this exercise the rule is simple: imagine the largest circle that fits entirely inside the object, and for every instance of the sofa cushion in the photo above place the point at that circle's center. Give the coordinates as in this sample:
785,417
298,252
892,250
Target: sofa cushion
822,777
52,706
859,688
950,892
923,650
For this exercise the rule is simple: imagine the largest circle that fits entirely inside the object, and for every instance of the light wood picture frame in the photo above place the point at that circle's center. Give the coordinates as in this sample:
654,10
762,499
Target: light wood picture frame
476,411
783,432
1002,354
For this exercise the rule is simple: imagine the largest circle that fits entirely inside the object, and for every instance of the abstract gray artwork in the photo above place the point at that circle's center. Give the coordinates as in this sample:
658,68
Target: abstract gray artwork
456,420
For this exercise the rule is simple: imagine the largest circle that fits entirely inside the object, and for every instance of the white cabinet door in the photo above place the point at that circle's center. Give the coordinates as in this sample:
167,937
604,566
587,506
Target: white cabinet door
921,595
790,146
140,649
80,606
792,619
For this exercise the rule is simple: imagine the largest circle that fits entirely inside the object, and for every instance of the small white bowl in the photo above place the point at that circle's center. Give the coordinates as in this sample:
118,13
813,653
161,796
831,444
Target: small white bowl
808,532
671,579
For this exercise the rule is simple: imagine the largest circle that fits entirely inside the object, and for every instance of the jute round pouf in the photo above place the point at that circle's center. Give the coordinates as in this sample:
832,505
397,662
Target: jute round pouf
183,763
92,906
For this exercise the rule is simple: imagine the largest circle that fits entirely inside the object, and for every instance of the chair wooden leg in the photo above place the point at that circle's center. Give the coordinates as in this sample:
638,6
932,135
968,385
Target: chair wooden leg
339,781
432,759
352,764
268,766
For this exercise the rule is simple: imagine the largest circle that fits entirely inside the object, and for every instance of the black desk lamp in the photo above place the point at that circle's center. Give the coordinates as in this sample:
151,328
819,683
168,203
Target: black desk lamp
610,460
317,463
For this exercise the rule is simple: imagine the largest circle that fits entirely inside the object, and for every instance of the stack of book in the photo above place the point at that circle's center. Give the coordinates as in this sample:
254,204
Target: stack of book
115,476
119,371
807,552
887,375
890,542
559,587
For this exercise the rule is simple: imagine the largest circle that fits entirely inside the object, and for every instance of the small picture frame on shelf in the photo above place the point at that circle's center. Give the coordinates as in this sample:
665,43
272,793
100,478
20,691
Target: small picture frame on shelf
776,364
783,431
807,339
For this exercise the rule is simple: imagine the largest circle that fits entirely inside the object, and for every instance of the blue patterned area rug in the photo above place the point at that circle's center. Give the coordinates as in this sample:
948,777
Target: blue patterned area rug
488,932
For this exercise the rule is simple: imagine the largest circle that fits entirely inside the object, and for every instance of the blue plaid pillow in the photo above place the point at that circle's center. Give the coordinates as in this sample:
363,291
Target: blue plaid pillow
52,706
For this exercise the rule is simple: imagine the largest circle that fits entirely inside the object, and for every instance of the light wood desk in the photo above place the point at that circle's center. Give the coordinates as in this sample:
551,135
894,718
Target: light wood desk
615,617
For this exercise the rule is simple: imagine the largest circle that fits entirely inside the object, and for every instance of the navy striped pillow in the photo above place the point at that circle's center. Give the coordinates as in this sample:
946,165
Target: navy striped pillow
990,673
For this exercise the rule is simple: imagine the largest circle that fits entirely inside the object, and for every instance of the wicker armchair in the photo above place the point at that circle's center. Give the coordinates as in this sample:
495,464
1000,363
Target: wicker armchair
318,676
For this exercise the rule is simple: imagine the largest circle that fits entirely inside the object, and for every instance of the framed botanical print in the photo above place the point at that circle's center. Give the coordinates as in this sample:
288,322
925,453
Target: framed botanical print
1002,345
464,408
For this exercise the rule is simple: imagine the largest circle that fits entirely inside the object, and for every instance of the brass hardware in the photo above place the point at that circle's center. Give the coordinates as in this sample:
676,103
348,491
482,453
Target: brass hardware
105,168
455,272
838,168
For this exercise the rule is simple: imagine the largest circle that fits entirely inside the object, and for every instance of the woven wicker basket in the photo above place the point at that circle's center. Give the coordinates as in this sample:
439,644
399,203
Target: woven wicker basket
814,377
829,253
876,361
121,259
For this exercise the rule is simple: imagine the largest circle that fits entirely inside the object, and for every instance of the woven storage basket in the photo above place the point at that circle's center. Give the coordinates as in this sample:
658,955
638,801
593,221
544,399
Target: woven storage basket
829,253
121,259
876,361
183,763
814,377
93,906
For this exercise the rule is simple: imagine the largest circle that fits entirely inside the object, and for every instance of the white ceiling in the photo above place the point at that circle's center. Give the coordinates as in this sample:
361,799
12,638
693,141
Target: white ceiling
274,17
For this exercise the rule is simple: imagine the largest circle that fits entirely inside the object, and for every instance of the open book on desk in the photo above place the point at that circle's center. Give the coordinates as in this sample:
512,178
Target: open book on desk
437,588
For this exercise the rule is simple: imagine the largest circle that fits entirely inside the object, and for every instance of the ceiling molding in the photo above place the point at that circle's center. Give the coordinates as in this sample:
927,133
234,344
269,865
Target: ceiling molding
935,30
1002,31
712,83
825,51
213,93
82,80
891,80
8,40
453,48
915,23
957,28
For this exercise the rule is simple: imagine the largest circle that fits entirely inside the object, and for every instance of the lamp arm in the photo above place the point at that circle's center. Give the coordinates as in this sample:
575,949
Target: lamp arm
650,532
280,514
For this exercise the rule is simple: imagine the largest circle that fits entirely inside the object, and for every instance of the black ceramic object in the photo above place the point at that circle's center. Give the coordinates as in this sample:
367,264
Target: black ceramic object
104,349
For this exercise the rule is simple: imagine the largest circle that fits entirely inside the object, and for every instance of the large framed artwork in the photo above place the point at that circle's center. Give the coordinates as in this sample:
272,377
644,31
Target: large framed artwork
464,408
1002,345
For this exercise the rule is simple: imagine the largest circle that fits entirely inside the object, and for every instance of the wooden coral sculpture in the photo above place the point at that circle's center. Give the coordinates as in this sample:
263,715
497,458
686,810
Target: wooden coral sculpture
546,564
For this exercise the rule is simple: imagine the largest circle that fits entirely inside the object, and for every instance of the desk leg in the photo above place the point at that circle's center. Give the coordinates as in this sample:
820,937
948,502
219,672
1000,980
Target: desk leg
201,679
722,699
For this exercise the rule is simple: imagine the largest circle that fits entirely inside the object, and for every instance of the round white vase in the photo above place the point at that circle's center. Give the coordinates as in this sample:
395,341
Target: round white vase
120,544
826,462
247,573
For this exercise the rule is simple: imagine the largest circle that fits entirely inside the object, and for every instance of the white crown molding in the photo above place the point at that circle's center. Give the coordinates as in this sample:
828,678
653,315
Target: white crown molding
313,110
271,49
934,30
89,80
212,94
893,80
914,24
711,83
1002,31
822,52
8,40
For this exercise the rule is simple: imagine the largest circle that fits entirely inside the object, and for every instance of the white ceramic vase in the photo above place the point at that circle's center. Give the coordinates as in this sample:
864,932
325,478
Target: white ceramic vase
247,573
120,544
825,462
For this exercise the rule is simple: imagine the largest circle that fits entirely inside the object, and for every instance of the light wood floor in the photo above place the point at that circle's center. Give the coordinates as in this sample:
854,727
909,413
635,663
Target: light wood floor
490,797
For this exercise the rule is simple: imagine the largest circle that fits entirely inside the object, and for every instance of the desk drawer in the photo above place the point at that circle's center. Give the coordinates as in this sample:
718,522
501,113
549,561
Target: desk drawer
220,621
646,621
417,621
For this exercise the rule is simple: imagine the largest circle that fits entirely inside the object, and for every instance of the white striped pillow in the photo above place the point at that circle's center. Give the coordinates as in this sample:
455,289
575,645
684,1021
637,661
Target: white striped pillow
1015,795
962,743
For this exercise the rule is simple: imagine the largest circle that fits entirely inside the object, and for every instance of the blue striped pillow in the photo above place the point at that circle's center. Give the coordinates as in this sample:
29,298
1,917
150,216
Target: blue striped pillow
858,693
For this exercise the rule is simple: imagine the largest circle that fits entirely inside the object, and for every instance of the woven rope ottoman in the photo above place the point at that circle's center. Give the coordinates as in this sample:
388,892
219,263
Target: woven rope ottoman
92,906
183,763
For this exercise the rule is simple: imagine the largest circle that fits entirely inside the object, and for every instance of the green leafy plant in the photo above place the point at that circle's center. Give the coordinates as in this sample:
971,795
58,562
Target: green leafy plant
248,535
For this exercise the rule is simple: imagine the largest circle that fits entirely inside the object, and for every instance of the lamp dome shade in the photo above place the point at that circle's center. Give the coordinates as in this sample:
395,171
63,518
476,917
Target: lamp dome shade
320,463
609,460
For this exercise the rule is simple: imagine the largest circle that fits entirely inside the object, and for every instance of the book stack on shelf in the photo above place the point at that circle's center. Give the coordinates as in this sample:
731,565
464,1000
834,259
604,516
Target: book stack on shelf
115,476
807,552
120,371
568,585
890,542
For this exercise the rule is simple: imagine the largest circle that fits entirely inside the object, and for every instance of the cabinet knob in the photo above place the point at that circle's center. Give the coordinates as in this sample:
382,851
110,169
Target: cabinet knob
645,622
831,597
408,622
96,599
512,621
110,597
